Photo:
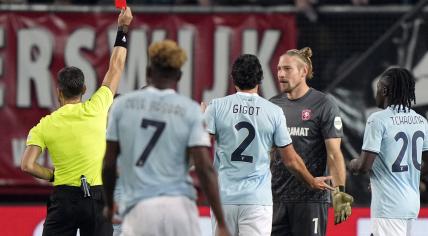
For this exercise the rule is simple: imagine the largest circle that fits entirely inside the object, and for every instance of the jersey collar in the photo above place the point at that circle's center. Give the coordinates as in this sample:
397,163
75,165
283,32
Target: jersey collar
248,94
405,110
162,91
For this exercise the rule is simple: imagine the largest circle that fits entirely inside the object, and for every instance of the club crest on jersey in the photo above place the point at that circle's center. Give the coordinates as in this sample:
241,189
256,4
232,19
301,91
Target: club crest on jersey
306,114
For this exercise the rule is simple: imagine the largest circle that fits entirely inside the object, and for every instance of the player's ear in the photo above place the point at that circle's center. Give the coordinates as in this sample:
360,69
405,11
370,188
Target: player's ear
305,70
385,91
60,96
84,89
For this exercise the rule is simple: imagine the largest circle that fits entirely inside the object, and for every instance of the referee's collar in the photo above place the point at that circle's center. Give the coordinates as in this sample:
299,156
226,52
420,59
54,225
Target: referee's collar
163,91
247,94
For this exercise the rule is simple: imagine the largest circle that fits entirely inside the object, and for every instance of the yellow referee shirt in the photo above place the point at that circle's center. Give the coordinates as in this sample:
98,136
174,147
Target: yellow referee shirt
75,136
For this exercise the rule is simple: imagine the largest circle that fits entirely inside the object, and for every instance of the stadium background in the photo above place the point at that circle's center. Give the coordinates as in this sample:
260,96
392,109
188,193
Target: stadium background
352,45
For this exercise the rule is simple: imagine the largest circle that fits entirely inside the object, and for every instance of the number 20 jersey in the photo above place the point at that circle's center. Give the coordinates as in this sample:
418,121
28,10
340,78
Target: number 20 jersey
246,128
399,139
154,128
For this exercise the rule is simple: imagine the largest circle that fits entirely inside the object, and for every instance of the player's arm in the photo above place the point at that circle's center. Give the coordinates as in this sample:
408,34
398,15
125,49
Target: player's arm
208,178
363,164
372,142
109,174
335,161
341,200
118,55
295,164
29,164
424,168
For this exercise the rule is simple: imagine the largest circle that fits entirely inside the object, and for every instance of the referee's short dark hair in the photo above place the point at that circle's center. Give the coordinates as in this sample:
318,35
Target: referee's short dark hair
247,72
71,81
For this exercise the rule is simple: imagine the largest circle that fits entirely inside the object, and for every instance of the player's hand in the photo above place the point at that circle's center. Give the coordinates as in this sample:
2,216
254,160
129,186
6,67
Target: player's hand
422,187
352,166
109,212
342,206
125,17
203,107
320,184
222,231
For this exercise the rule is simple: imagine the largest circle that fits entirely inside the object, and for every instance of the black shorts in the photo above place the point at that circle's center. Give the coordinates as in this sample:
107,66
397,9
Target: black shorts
68,211
299,219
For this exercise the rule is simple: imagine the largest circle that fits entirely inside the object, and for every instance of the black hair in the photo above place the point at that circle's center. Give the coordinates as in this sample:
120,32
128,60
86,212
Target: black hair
71,82
247,72
401,87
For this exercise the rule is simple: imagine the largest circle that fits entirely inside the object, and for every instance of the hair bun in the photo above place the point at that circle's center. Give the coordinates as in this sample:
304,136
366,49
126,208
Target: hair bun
306,52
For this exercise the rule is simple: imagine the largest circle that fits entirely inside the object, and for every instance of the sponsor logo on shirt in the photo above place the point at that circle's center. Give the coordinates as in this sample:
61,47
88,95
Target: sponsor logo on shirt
298,131
337,122
306,114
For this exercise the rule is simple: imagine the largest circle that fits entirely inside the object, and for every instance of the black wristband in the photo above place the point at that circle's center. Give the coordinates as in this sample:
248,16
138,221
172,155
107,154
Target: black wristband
341,188
52,178
121,37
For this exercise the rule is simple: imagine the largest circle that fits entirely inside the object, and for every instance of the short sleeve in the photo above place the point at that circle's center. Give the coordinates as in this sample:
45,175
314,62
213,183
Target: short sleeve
281,135
425,145
113,122
35,136
373,135
100,101
331,120
198,131
210,117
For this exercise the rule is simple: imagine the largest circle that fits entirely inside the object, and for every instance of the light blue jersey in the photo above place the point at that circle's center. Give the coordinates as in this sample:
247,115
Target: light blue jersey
399,139
246,128
154,128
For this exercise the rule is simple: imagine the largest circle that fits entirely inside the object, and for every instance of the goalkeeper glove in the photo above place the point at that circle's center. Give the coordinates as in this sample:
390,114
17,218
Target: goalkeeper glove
342,205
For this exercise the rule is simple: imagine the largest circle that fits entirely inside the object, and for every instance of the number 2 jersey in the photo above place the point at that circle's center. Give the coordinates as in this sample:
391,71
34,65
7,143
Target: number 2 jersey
154,128
399,138
246,128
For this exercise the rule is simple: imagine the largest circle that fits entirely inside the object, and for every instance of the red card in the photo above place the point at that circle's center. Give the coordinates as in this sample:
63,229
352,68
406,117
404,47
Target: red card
121,4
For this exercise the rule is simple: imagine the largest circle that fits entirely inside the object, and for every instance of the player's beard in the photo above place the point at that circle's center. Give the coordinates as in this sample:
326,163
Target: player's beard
285,87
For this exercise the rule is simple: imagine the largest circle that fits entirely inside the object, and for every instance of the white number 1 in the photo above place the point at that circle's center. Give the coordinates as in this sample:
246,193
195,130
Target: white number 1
315,220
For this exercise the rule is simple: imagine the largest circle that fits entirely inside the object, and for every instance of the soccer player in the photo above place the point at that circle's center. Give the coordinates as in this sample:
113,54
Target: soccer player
395,141
246,127
156,131
315,127
75,136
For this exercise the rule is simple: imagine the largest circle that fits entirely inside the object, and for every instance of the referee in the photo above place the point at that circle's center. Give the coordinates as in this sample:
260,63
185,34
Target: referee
75,136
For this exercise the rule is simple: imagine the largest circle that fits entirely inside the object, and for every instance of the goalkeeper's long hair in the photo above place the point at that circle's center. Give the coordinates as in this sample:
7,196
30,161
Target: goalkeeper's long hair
401,85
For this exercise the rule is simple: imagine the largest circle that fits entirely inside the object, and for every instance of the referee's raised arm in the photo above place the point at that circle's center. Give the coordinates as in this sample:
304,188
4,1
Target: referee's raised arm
75,137
118,56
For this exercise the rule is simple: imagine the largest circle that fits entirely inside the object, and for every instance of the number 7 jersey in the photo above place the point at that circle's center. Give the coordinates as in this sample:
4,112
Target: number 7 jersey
399,138
246,128
154,129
